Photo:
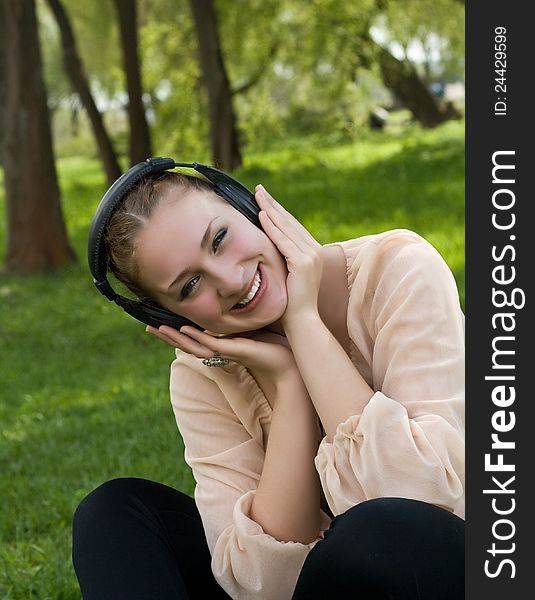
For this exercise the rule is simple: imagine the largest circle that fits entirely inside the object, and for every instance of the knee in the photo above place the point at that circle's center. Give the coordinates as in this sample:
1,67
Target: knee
381,544
400,519
102,504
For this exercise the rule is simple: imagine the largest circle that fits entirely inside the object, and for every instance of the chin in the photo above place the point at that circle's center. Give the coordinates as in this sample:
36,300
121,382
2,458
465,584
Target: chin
252,323
237,329
247,326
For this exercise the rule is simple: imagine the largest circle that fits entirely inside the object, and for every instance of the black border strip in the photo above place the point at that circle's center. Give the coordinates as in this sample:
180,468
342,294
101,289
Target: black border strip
504,131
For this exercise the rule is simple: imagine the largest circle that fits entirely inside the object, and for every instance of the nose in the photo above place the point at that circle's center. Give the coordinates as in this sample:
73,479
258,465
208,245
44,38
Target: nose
229,279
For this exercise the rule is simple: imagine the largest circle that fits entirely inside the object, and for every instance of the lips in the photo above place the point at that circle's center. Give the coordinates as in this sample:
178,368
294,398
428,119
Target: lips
258,296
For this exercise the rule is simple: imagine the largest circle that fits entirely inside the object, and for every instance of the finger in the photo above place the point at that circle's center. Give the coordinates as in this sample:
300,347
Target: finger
205,342
293,230
163,338
185,342
286,246
285,221
277,211
268,199
231,347
293,250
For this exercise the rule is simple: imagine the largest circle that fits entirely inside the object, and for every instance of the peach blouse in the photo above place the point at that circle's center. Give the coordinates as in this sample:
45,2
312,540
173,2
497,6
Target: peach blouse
407,341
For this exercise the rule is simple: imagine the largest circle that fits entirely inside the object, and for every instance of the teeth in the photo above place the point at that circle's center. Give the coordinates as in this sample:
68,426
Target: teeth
252,293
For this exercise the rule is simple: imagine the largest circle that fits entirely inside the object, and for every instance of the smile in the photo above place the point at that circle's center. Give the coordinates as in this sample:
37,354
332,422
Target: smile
255,293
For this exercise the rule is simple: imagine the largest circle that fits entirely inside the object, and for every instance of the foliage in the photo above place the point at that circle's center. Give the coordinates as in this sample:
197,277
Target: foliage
172,80
96,33
435,27
84,394
312,67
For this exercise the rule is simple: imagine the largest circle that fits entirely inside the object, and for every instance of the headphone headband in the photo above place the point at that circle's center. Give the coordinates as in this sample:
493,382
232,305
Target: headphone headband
224,185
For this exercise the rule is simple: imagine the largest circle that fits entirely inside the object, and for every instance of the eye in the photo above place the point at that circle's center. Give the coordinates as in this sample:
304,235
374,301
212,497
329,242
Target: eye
219,238
188,288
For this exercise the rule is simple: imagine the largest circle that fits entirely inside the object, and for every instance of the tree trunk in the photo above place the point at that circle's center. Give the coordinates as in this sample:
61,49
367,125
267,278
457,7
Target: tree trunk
403,80
3,83
75,72
225,145
140,144
36,235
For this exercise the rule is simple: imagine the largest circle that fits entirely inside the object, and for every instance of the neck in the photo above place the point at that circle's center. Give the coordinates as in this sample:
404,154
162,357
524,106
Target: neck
333,294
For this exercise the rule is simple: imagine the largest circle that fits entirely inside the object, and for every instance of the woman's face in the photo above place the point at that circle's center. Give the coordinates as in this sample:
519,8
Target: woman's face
199,257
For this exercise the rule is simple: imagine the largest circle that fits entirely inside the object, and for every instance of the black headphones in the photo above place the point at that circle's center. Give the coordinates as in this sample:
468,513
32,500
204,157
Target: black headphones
152,314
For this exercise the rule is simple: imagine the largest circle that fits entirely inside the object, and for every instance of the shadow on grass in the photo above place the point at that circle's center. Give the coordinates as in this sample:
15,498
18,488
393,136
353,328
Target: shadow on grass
413,185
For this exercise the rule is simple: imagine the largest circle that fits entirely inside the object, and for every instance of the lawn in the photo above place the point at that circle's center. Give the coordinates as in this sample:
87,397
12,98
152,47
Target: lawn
84,391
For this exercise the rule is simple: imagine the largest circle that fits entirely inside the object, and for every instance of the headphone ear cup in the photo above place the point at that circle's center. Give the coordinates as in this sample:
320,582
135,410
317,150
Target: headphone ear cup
162,316
241,200
153,315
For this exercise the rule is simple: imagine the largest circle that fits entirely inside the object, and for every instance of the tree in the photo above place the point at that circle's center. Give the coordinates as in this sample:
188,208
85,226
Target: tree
418,20
76,74
140,144
36,234
3,85
223,134
403,80
356,26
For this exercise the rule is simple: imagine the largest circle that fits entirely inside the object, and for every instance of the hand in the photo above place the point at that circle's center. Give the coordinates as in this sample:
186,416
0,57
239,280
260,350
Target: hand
267,355
303,254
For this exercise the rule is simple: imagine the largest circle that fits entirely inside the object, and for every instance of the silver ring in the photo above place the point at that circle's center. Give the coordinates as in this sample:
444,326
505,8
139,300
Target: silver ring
215,361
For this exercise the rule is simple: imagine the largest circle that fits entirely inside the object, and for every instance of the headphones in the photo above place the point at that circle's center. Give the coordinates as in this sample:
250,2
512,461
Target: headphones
147,312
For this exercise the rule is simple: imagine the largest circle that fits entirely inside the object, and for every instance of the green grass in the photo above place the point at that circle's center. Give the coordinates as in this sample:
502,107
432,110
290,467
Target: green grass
84,392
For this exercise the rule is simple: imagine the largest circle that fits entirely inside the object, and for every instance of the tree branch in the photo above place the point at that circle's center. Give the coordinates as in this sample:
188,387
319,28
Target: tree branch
257,75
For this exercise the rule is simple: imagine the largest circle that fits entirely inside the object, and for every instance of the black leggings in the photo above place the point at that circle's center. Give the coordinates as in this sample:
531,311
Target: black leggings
135,539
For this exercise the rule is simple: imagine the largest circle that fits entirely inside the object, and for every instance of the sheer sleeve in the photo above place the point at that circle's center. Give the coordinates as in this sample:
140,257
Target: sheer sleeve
227,463
408,441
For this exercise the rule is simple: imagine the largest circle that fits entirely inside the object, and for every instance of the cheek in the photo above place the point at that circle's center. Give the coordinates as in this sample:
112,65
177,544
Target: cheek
253,242
206,306
244,243
279,264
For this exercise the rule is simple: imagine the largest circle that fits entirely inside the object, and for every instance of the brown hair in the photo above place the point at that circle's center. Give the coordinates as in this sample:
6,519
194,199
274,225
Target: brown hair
133,213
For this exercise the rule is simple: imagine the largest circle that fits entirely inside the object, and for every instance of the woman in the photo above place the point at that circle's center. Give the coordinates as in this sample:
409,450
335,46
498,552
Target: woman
321,410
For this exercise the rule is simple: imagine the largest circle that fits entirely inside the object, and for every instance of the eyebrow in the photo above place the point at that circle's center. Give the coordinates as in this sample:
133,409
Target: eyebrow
187,270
